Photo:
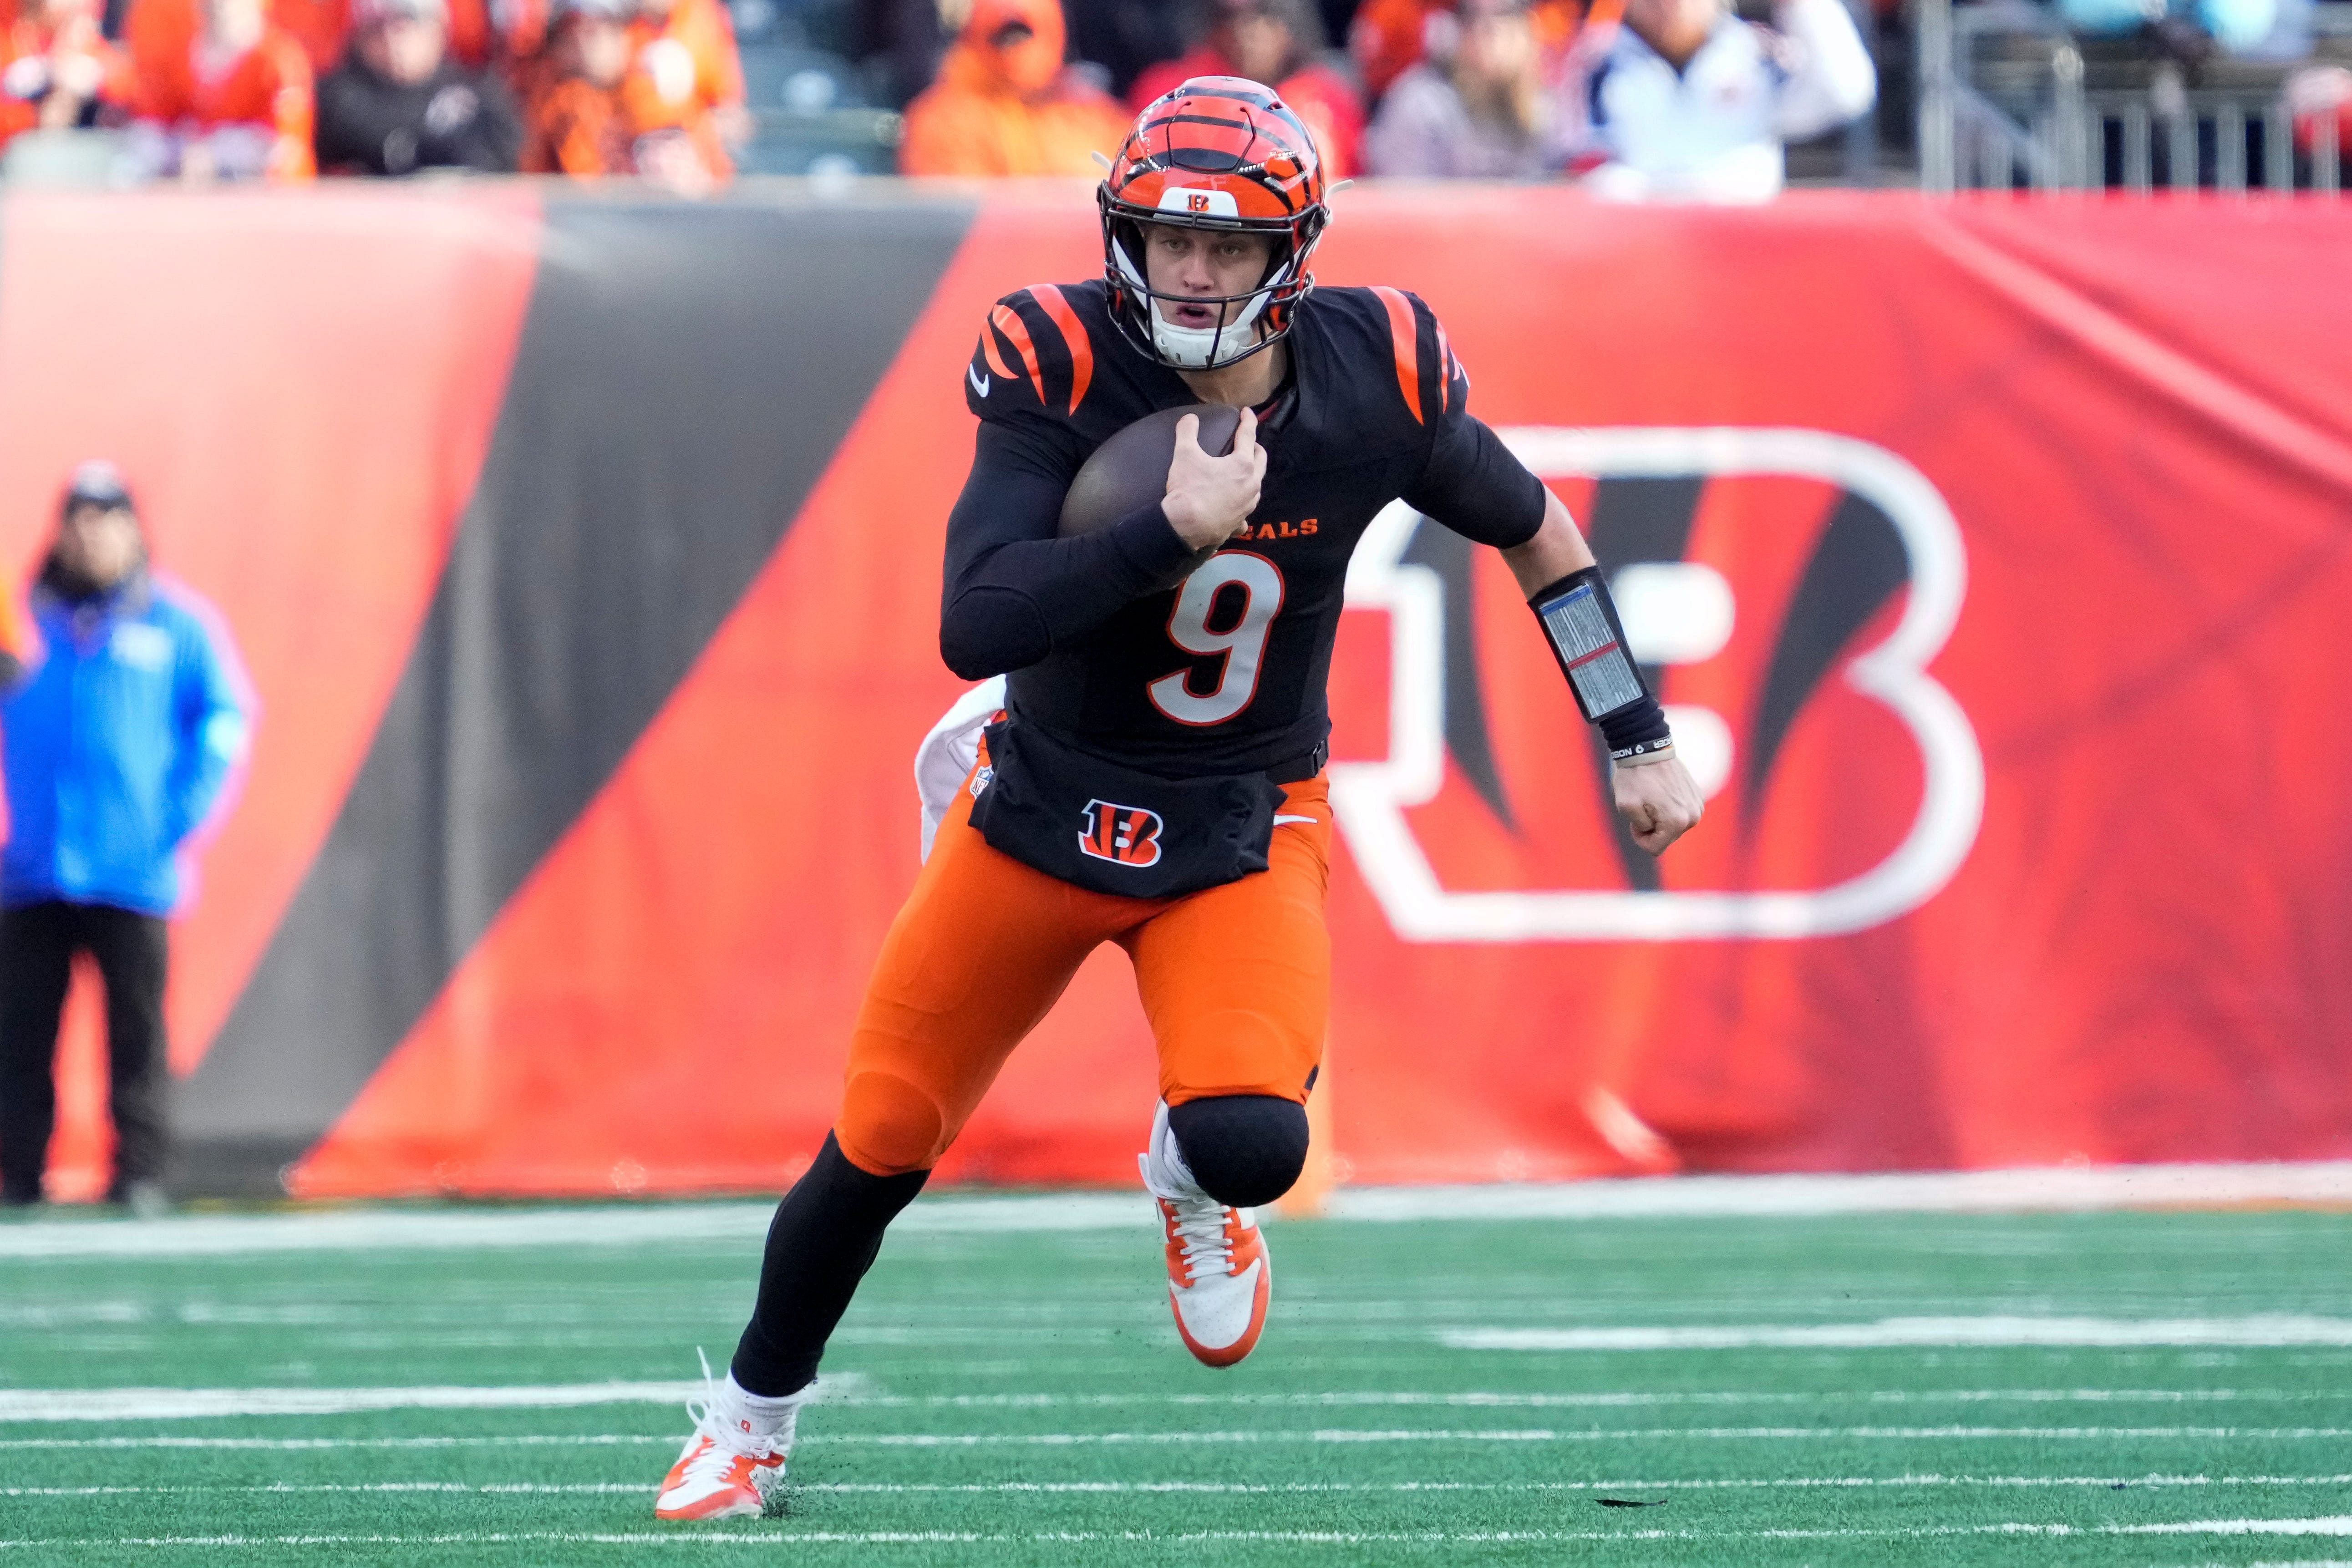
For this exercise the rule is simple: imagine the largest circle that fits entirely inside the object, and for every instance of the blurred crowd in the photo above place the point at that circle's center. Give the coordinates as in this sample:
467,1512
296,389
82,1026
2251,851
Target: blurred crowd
1672,96
1639,97
284,89
1678,95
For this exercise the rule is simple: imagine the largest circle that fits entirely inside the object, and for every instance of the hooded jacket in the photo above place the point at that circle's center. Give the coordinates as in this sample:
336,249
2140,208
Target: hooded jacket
1011,108
453,119
116,745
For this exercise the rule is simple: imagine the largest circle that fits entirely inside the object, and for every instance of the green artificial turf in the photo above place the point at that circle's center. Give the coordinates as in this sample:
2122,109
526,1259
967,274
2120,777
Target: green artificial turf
1021,1398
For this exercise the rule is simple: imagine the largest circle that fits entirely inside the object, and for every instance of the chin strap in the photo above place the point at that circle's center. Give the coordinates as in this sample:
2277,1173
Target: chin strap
1580,621
1196,348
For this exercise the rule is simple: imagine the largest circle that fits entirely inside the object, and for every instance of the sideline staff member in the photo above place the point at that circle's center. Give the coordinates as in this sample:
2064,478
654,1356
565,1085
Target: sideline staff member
118,740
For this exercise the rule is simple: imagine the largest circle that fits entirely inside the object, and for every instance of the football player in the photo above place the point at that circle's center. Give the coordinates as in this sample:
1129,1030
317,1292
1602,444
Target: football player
1157,777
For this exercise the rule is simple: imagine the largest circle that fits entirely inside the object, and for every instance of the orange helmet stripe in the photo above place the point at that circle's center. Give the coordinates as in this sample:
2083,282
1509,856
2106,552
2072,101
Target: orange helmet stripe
995,360
1016,332
1405,335
1074,335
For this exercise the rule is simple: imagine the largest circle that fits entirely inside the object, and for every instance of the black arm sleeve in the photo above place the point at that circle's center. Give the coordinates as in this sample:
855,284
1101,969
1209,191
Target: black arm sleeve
1012,590
1474,486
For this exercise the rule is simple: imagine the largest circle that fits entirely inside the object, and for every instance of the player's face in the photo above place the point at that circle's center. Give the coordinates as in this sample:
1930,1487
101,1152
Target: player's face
1204,264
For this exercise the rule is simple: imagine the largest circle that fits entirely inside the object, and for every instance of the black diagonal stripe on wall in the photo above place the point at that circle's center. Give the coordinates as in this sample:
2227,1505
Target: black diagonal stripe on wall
684,375
1467,732
1855,568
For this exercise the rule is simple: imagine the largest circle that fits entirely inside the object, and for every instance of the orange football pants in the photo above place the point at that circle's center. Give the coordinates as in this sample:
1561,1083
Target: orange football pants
1236,980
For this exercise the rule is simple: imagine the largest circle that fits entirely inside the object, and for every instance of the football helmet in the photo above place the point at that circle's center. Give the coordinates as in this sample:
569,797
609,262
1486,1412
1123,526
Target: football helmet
1217,153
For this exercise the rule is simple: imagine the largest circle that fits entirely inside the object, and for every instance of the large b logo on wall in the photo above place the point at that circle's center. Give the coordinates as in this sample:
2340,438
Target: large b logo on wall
1843,572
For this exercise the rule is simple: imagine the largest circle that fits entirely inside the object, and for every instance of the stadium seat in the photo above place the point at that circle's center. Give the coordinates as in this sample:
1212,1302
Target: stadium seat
812,116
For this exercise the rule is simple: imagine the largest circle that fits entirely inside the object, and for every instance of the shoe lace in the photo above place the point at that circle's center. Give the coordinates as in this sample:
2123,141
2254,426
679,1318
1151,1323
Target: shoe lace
1199,1225
727,1443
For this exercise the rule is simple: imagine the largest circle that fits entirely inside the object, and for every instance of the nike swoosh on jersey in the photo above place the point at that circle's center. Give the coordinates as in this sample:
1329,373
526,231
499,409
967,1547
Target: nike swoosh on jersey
1280,820
980,382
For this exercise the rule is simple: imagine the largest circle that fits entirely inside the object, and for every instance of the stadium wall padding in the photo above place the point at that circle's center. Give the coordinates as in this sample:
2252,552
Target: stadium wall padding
586,554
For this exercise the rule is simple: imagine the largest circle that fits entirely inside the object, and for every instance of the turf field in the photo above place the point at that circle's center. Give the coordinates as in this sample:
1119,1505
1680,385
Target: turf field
1803,1390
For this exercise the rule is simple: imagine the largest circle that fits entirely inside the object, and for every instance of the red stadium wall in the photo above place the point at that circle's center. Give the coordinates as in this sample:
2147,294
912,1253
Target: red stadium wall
582,797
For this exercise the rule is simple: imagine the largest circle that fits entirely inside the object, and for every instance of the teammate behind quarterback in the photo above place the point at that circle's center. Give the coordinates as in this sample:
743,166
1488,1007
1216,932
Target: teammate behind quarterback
1156,777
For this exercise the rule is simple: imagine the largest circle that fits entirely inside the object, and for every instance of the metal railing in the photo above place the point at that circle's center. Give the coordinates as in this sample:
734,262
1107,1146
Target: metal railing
2031,119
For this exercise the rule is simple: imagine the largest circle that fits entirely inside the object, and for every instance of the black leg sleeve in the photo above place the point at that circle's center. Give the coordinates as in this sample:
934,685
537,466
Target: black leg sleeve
36,959
1244,1149
824,1239
132,955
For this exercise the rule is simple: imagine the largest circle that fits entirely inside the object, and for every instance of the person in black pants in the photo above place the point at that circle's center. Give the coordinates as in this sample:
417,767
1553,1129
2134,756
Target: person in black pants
116,741
37,944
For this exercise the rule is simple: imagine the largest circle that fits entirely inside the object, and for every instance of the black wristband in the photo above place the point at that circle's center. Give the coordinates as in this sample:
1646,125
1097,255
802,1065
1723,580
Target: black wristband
1637,730
1580,622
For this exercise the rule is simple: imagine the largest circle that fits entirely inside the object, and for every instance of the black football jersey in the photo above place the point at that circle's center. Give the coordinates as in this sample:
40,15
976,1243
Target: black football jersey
1226,673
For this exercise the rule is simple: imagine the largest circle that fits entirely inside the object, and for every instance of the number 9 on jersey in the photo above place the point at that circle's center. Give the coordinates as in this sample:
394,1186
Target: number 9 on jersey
1242,645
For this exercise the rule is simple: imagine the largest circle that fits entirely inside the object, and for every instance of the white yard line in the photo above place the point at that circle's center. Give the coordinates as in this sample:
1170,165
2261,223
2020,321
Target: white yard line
2267,1329
1610,1400
206,1404
792,1539
1320,1434
851,1388
2341,1525
293,1445
1555,1434
2325,1184
894,1488
1215,1439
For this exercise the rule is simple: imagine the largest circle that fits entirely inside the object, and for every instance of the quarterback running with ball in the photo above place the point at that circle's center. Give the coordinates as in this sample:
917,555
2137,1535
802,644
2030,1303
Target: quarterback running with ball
1156,777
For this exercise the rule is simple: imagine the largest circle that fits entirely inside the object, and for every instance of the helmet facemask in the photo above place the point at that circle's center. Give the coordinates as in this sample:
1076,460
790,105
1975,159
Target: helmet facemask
1239,333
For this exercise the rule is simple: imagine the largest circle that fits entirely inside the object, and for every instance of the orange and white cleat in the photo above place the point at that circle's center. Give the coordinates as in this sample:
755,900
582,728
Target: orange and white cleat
726,1471
1220,1279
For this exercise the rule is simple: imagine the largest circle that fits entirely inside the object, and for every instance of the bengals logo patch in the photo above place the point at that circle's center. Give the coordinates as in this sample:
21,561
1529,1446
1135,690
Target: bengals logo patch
1124,834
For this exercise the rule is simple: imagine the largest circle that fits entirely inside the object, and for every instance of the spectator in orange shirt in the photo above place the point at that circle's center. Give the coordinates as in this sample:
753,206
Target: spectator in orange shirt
687,63
1275,42
56,70
234,103
588,118
1004,103
321,27
1389,37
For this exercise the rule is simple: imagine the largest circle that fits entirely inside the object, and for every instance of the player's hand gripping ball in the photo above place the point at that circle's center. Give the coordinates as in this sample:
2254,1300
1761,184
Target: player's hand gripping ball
1209,491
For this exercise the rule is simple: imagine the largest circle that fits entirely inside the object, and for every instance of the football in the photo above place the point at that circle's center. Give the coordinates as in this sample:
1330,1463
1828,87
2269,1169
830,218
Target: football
1129,472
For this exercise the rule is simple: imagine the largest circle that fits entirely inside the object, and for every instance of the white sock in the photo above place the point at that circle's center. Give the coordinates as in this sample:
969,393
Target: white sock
1172,1165
758,1416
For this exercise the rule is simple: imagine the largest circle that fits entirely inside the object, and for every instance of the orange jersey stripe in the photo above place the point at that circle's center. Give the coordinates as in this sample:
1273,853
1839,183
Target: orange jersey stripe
1406,333
1008,321
1074,335
1444,370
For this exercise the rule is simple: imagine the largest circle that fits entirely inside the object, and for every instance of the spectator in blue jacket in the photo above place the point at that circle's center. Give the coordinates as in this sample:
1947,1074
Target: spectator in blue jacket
116,740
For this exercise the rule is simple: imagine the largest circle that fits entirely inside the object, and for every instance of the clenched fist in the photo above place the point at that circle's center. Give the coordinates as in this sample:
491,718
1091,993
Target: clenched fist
1658,801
